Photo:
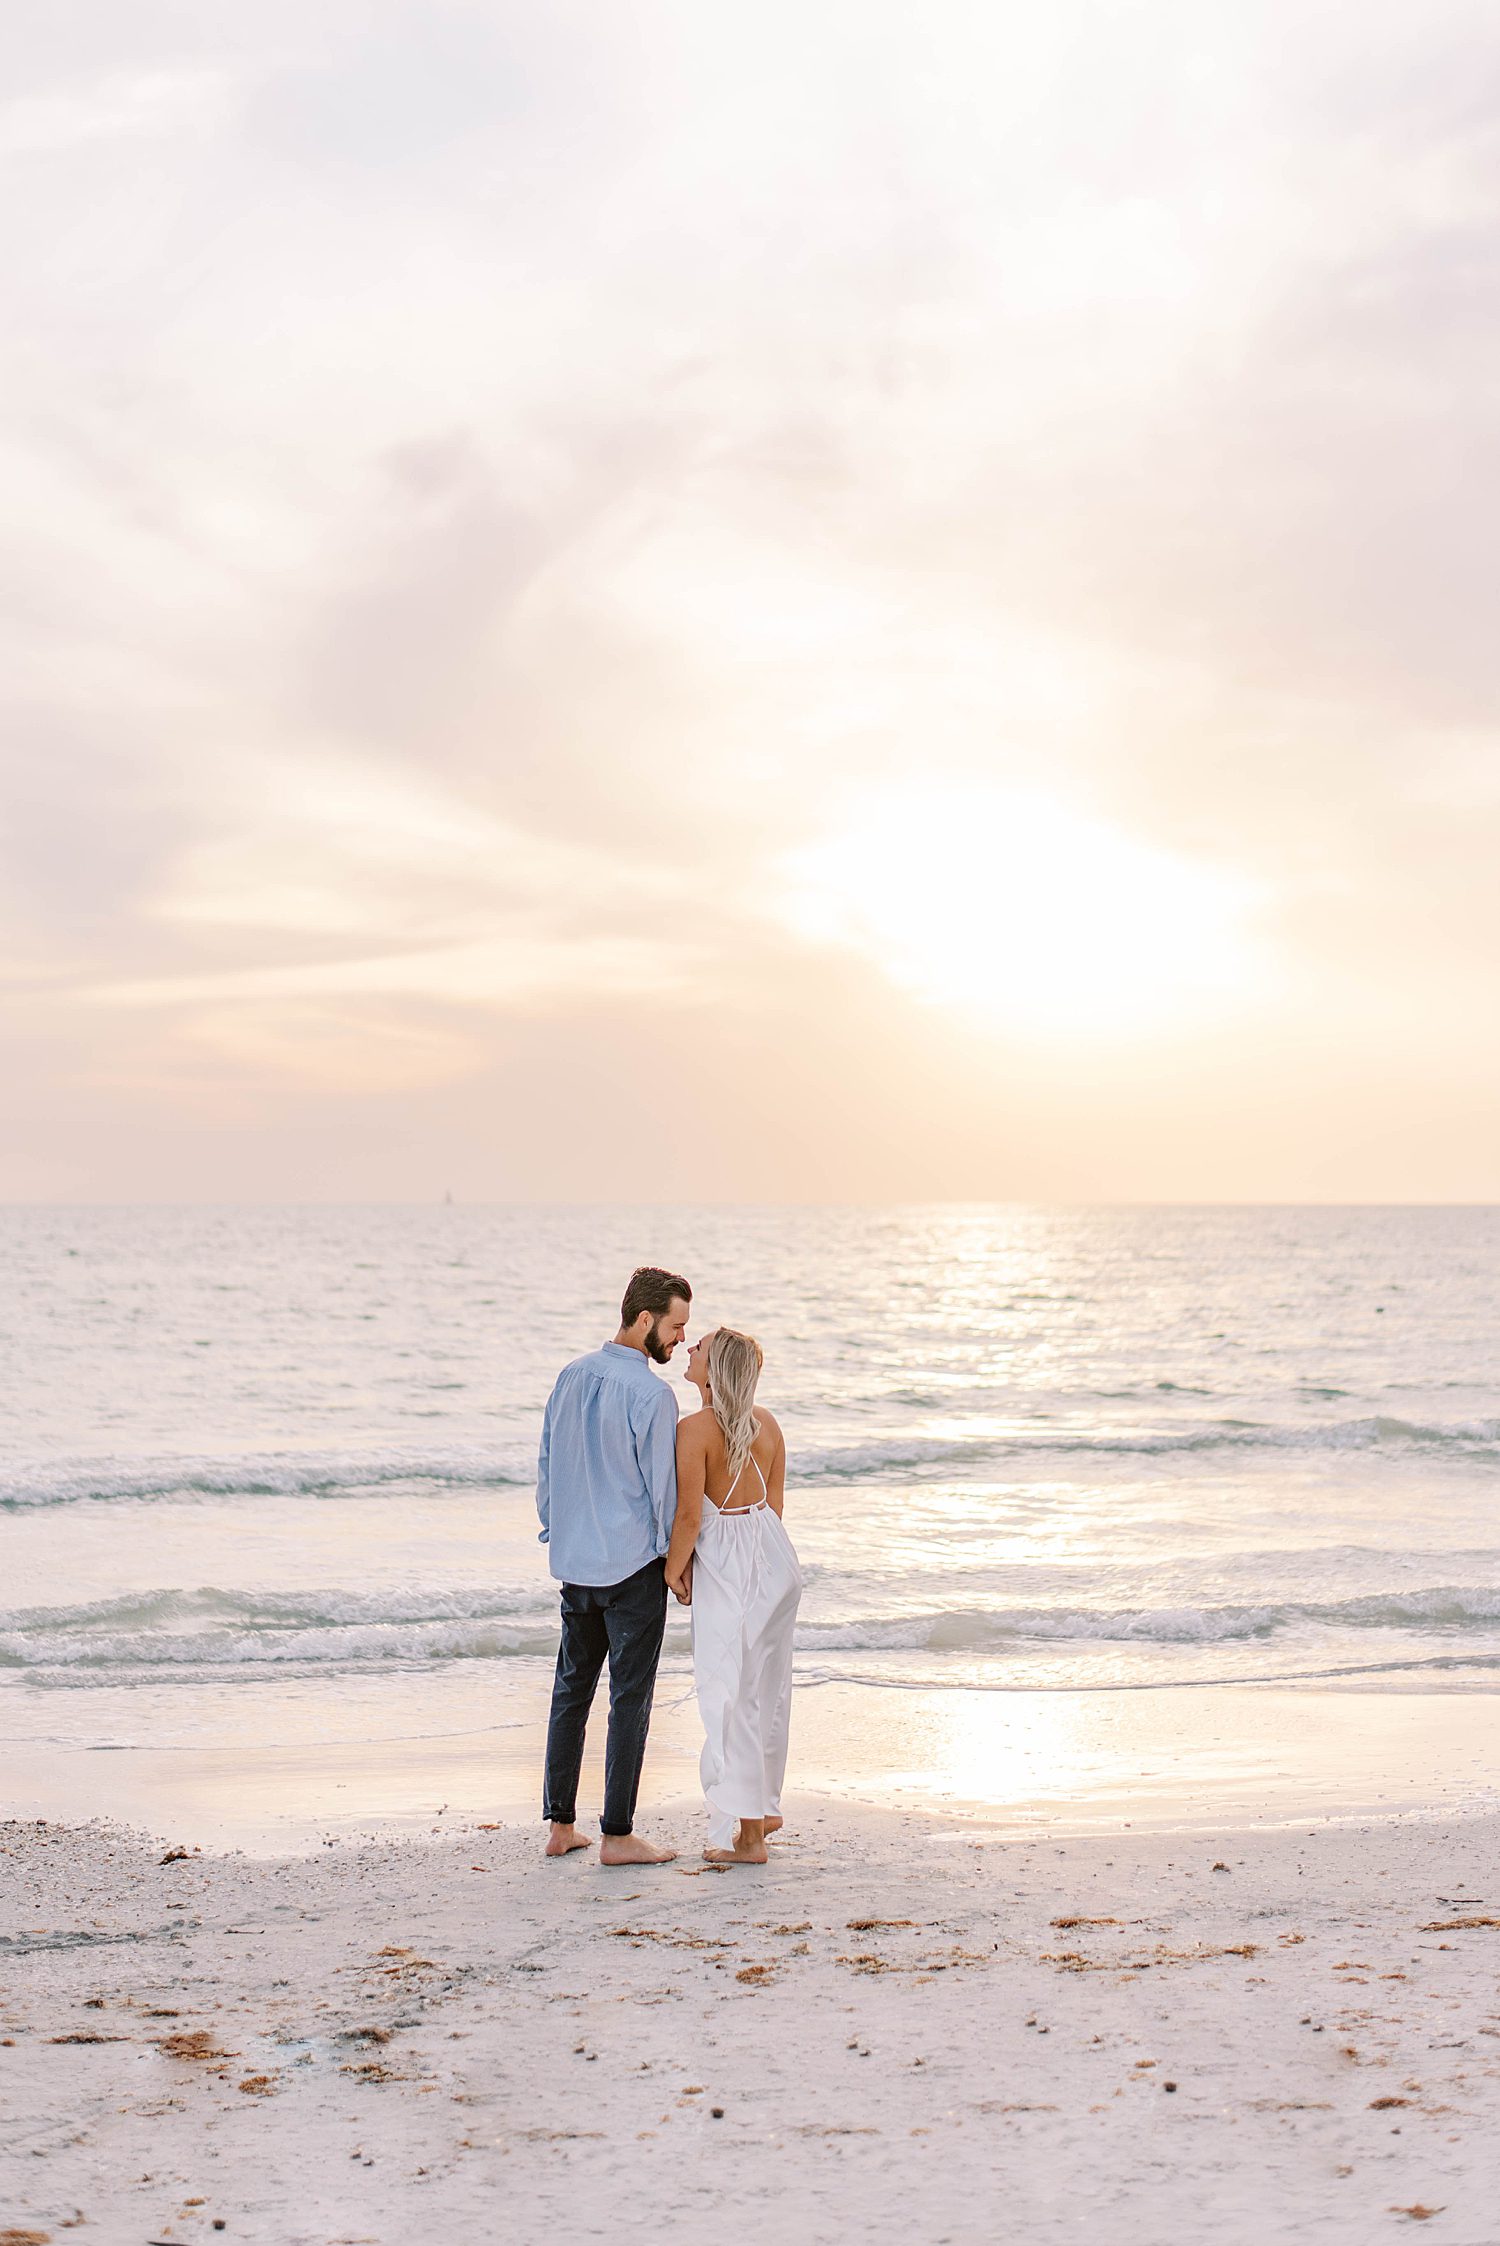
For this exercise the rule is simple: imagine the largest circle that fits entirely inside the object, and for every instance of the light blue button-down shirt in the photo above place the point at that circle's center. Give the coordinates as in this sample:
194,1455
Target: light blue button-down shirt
606,1486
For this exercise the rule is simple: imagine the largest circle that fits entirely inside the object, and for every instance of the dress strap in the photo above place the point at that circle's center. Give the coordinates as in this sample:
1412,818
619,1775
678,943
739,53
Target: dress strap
763,1499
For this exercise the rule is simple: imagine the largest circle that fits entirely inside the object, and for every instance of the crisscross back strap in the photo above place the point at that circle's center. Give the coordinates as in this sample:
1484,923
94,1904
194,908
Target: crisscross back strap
763,1499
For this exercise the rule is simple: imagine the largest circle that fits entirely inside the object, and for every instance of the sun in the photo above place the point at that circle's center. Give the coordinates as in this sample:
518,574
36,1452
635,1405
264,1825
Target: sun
1015,908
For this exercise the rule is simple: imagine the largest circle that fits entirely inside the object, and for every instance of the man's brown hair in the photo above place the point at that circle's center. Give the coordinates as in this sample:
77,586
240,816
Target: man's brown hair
653,1290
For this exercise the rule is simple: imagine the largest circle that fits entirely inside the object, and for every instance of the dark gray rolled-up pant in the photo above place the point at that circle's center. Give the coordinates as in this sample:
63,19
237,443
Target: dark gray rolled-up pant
623,1624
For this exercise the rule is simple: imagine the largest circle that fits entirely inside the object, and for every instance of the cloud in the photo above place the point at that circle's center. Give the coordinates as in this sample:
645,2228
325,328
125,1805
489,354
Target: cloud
491,487
124,105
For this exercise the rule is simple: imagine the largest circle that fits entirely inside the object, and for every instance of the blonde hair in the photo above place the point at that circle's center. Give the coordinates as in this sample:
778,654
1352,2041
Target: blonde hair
734,1362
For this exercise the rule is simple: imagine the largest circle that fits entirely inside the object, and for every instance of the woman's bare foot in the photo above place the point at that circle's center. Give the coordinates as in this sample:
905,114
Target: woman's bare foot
773,1825
749,1845
629,1848
563,1839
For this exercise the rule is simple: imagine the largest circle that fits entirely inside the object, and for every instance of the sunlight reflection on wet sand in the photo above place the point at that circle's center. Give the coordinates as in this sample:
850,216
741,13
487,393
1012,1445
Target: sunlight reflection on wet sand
278,1768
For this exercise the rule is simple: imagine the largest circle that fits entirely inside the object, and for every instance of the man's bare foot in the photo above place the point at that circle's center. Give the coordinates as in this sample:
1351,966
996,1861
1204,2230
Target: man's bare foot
774,1825
629,1848
563,1839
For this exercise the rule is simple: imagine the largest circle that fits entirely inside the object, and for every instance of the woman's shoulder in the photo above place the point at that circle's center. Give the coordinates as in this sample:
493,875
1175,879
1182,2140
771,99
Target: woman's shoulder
696,1427
769,1423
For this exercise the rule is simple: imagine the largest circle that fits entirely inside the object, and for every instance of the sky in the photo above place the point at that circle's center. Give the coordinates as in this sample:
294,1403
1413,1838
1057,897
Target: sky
671,602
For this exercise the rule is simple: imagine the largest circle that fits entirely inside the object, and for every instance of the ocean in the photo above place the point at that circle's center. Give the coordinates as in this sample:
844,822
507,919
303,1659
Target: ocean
269,1471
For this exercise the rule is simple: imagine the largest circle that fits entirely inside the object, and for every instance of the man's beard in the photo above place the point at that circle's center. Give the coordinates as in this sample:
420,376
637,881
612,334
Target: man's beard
656,1347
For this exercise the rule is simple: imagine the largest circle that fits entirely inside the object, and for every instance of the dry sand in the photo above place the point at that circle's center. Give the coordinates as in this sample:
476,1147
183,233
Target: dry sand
902,2029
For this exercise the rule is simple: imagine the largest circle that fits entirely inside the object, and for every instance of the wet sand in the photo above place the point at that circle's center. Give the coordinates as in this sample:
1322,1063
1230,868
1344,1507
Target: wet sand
277,1765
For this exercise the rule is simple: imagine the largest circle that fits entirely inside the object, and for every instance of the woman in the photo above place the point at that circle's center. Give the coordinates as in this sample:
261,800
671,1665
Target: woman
731,1559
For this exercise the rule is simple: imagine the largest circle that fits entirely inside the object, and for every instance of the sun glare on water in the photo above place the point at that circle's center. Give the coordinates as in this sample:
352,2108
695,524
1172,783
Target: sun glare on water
1018,910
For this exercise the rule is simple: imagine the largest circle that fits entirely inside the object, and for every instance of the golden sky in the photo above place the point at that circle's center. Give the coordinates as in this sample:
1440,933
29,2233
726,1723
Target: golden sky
678,602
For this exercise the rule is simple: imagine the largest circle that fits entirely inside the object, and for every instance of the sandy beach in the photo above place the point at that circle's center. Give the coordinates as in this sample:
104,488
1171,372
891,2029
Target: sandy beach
904,2028
1138,1879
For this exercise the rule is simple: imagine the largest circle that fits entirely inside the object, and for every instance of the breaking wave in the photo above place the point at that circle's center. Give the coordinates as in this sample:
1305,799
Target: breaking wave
179,1629
895,1458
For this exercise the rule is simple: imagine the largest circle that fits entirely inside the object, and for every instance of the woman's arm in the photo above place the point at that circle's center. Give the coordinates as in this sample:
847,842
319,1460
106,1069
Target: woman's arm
776,1479
690,1479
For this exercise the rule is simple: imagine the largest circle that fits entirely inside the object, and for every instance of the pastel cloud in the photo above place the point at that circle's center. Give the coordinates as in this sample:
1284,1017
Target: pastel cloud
493,487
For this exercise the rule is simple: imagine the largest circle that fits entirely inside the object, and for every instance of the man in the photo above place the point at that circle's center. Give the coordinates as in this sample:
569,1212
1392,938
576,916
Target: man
607,1494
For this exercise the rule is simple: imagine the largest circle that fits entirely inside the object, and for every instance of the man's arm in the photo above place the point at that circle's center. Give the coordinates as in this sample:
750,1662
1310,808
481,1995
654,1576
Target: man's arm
656,1449
543,1483
690,1470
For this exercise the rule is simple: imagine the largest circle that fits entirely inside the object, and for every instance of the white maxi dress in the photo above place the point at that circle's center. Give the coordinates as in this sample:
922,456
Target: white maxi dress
746,1588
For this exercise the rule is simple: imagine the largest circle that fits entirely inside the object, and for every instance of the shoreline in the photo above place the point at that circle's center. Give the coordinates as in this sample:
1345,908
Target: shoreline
901,2027
279,1765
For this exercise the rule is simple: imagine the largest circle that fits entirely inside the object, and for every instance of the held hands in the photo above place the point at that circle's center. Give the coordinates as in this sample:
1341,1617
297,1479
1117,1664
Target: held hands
681,1586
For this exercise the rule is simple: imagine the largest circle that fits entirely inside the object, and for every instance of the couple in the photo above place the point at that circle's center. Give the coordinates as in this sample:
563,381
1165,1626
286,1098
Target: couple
634,1503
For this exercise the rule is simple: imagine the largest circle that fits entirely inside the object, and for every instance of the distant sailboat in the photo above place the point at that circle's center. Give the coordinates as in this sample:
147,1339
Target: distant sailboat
447,1200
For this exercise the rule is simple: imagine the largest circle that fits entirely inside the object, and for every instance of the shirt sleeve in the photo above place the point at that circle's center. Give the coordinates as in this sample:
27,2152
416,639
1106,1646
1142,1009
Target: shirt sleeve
656,1450
543,1484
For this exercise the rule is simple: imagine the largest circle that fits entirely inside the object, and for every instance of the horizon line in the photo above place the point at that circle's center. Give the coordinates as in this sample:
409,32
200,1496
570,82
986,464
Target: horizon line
940,1201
